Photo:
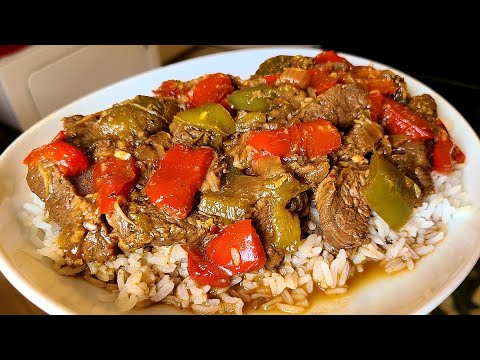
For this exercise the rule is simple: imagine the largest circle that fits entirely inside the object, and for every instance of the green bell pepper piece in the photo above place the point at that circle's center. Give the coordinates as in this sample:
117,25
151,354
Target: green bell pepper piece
389,193
286,228
212,117
218,204
256,98
250,120
274,65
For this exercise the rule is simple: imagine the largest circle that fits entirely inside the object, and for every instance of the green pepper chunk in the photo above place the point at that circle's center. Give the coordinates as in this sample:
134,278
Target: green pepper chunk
236,199
286,225
256,98
279,190
165,108
283,187
274,65
212,117
389,192
229,207
250,121
126,121
286,228
277,64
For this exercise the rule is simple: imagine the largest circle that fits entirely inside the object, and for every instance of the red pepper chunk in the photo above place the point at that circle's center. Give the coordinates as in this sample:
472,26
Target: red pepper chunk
271,79
320,80
62,134
214,88
237,249
313,138
374,79
271,142
170,88
375,105
113,179
401,120
180,174
319,137
384,86
329,56
445,153
203,272
69,159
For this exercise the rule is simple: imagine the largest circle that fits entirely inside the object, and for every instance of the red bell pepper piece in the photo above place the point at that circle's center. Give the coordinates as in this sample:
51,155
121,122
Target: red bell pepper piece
271,142
180,174
214,88
445,152
385,86
271,79
374,79
204,272
375,105
113,179
329,56
62,134
237,249
319,137
401,120
69,159
313,138
170,88
320,80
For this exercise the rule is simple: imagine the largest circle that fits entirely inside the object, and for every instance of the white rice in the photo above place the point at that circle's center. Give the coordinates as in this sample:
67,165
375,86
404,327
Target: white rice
160,275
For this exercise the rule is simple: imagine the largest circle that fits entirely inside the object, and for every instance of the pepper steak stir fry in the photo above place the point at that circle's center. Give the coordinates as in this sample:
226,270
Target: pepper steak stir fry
230,168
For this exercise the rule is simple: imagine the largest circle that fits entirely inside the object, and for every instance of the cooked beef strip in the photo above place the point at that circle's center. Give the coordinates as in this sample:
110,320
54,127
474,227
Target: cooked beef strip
343,210
360,140
192,136
363,137
289,99
83,235
310,171
262,222
424,105
124,125
412,157
236,147
300,204
83,182
149,154
80,133
341,105
149,226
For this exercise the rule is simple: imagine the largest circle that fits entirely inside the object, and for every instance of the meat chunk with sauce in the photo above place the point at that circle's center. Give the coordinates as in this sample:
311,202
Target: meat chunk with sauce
424,105
123,125
310,171
84,234
263,225
341,105
141,224
360,140
411,157
343,211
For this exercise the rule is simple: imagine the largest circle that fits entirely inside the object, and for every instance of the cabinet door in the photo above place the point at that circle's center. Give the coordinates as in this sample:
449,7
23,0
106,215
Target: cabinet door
86,70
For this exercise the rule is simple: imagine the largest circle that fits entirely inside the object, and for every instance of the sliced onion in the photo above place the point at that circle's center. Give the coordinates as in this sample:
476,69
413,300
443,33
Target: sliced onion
297,77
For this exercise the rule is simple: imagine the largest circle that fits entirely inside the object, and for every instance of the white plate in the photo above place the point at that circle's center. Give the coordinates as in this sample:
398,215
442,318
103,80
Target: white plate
418,292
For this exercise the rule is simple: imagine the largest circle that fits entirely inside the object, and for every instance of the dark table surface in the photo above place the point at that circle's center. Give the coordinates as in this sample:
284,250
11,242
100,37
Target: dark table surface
450,76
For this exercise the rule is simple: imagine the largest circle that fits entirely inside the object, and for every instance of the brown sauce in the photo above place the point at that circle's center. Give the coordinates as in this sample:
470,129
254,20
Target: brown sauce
322,303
